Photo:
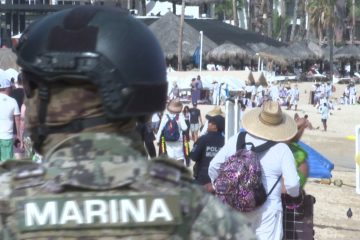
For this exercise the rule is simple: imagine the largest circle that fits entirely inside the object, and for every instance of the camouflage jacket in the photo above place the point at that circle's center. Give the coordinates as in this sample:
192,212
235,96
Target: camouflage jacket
100,186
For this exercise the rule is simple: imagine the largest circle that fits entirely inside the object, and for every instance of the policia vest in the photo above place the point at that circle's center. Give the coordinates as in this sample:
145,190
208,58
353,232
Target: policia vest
97,186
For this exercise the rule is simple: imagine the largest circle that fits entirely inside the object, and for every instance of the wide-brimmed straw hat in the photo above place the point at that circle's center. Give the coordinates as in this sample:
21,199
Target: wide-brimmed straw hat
270,123
174,106
214,112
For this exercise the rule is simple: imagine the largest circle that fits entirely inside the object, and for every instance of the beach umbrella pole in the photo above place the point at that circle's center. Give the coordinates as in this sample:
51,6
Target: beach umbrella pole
201,50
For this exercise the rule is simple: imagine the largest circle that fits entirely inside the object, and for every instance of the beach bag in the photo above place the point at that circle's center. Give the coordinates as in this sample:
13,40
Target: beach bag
171,130
239,183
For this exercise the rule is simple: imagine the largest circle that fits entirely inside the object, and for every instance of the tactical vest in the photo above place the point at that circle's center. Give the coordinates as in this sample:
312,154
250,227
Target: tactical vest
161,204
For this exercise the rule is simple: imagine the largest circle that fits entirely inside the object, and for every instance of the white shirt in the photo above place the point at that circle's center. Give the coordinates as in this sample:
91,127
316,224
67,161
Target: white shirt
278,160
8,109
155,118
181,123
274,92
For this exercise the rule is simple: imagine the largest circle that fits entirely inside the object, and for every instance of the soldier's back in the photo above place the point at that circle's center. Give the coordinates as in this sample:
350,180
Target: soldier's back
100,186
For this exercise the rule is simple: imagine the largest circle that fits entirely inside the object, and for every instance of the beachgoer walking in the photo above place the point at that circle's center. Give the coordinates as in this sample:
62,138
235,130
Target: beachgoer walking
174,92
262,124
195,122
352,94
324,111
294,97
215,93
9,114
174,147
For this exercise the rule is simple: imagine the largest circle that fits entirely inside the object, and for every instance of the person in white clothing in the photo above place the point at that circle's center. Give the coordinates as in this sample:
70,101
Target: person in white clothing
174,149
262,124
352,94
9,113
215,93
274,92
294,97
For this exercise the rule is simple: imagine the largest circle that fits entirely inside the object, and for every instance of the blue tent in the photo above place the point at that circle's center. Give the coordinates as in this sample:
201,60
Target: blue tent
319,166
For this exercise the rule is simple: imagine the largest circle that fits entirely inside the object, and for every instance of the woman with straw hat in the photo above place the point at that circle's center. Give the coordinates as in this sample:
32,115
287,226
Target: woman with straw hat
264,124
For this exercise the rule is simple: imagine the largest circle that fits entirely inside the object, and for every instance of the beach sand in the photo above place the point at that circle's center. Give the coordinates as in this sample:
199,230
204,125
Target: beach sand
332,202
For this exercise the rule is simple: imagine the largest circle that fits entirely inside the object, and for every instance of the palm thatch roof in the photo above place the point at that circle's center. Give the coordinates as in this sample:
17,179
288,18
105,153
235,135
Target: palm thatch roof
166,30
229,51
347,52
315,48
326,52
279,55
8,59
302,50
260,78
306,50
216,31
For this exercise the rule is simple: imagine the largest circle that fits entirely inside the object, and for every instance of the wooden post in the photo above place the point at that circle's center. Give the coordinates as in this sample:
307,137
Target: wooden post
181,35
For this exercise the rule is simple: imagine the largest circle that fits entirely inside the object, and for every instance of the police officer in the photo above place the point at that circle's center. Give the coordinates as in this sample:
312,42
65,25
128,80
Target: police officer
91,73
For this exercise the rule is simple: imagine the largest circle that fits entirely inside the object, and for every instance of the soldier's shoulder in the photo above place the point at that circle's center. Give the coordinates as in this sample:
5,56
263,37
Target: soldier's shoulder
169,169
13,164
220,221
16,170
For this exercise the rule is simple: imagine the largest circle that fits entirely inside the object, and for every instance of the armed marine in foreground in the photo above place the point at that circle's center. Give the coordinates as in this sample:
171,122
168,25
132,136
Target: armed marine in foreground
90,74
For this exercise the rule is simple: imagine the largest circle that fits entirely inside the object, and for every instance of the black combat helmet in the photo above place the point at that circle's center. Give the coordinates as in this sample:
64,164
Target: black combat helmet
106,47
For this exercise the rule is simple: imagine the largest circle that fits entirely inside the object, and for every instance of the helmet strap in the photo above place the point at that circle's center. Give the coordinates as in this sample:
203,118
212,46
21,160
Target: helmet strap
41,133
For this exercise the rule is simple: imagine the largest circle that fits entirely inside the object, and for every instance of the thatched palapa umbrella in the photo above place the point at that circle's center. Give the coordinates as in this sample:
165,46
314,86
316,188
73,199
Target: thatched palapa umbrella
316,49
166,30
347,52
302,50
326,52
229,52
273,54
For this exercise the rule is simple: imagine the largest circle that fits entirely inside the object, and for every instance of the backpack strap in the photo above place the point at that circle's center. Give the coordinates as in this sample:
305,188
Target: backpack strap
277,181
240,144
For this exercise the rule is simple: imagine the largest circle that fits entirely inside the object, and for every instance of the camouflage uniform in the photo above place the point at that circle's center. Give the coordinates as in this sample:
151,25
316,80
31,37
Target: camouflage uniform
100,186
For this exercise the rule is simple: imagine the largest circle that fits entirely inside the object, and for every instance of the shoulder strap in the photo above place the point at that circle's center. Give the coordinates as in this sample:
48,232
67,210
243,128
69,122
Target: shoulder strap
263,147
277,181
240,143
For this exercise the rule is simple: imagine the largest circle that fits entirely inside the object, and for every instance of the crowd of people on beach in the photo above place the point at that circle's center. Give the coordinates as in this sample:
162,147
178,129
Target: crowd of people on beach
209,151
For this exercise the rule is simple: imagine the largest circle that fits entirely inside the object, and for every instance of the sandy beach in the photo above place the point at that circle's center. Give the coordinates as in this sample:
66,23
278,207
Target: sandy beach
332,202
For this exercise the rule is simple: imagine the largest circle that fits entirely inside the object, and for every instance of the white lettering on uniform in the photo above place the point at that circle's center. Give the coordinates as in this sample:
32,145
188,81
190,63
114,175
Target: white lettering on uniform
33,216
114,217
71,212
128,208
159,209
95,208
97,211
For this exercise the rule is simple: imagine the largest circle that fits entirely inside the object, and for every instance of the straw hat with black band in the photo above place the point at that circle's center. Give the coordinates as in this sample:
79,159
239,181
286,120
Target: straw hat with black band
270,123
